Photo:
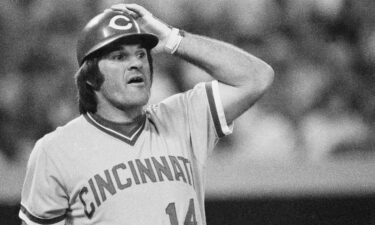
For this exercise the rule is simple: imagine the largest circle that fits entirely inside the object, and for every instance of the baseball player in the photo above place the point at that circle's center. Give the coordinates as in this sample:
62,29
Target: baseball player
122,162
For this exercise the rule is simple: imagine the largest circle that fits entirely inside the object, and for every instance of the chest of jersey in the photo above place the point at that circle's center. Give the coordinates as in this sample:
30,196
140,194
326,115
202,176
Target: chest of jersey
112,181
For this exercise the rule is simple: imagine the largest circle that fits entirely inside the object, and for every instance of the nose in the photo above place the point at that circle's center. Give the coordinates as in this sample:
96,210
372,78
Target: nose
135,63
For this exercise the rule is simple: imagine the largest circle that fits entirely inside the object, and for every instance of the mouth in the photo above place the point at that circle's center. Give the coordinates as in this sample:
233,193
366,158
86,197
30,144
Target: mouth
136,80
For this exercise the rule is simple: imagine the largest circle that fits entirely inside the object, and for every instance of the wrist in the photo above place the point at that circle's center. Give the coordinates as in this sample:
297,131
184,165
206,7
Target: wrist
173,40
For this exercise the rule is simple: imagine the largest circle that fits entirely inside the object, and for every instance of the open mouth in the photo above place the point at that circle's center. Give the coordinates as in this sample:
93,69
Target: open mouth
136,80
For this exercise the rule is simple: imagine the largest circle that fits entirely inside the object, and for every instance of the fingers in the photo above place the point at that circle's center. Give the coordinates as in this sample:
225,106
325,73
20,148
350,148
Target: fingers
133,9
123,8
138,9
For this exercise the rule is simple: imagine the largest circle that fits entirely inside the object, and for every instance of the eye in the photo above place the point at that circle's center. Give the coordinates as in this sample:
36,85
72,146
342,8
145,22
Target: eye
118,56
141,54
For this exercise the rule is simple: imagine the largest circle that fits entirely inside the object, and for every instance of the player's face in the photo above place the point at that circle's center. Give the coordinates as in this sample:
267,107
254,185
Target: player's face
127,77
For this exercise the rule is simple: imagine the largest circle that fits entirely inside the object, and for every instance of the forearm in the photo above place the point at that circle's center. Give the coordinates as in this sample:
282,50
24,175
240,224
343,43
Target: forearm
243,78
224,62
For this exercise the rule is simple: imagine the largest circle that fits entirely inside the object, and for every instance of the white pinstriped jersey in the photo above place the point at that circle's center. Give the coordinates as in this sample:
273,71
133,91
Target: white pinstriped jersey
88,173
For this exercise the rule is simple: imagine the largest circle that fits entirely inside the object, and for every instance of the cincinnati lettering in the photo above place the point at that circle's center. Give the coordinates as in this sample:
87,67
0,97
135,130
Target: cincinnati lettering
135,172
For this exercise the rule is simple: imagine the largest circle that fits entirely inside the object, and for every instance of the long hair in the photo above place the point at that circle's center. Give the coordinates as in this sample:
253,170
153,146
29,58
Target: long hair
89,79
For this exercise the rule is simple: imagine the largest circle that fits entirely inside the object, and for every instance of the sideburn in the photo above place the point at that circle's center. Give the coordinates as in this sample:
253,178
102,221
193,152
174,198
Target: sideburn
95,78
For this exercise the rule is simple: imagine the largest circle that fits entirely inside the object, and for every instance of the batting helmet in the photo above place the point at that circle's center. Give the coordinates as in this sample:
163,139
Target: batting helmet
107,27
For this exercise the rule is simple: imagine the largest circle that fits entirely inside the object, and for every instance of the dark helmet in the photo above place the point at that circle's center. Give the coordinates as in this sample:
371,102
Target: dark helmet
107,27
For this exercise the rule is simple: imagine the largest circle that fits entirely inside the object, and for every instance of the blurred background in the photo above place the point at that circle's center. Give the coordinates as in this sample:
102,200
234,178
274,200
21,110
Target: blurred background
304,154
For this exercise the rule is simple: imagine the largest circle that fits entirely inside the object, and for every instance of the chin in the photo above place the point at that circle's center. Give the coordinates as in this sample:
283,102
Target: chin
136,102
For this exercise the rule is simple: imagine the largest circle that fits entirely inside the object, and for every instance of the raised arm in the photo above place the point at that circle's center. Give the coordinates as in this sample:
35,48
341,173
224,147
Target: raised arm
243,78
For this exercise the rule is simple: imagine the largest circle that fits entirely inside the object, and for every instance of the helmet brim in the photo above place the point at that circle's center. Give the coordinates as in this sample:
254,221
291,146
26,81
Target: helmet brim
147,40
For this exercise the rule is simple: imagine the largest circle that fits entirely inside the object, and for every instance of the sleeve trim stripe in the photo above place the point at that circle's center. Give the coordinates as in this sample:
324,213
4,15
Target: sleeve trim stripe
213,109
220,110
41,220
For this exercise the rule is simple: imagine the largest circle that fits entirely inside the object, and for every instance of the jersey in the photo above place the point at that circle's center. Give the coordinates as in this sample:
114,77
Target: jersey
88,173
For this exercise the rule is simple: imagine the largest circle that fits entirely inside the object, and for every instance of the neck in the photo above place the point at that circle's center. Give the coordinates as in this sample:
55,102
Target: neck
117,115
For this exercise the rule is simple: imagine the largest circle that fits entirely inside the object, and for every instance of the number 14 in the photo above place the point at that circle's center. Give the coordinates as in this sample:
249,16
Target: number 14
190,218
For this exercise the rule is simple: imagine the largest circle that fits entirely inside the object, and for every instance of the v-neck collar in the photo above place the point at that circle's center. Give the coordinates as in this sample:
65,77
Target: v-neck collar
129,137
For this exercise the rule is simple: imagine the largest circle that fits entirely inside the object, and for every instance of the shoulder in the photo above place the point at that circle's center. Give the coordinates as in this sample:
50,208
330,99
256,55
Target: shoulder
64,134
177,110
180,99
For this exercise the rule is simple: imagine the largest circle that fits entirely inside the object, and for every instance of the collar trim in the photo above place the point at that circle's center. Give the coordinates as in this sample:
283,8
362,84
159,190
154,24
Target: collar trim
131,139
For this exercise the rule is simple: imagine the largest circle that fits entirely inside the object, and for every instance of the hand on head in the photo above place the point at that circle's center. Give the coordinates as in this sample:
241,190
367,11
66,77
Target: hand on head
147,22
136,11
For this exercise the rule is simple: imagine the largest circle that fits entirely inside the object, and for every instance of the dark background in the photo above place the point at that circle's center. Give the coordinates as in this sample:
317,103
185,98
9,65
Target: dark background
323,210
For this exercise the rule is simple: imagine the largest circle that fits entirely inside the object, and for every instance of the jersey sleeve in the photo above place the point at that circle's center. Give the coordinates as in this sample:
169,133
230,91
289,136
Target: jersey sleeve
216,110
197,115
206,118
43,200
